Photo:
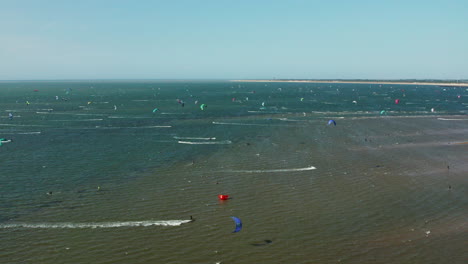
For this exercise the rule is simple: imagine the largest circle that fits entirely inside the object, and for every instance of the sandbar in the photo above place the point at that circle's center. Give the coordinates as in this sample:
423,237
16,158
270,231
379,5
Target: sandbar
456,84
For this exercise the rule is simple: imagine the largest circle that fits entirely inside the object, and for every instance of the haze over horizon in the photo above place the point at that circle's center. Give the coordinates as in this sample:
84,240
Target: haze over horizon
67,40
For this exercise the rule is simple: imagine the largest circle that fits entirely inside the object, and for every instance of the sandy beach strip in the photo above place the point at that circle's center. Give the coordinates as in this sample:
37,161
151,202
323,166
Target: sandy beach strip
360,82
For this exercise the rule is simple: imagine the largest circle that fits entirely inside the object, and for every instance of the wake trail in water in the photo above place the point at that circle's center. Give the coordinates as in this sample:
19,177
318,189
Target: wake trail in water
130,117
274,170
29,133
197,138
78,120
205,142
66,225
142,127
451,119
249,124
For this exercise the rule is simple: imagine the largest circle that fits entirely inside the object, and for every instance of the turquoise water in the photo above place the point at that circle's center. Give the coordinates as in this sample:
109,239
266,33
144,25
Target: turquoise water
92,175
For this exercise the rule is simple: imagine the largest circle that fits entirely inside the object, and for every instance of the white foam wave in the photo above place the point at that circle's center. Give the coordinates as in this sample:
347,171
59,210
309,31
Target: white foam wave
155,126
90,114
393,117
130,117
197,138
263,112
77,120
291,120
29,133
205,142
142,127
96,225
247,124
274,170
15,125
451,119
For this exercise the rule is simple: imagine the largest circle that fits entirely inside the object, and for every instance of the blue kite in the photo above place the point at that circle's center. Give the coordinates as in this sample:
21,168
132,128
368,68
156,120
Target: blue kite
238,224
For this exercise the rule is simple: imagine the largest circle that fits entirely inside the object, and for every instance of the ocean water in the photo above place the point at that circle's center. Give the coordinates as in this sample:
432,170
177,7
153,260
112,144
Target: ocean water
92,175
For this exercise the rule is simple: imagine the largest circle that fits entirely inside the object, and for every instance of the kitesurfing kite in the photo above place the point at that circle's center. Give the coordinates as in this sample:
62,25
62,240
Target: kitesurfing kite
331,121
238,224
203,106
155,110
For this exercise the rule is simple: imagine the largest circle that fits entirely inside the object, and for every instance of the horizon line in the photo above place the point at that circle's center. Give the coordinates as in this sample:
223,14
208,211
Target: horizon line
240,80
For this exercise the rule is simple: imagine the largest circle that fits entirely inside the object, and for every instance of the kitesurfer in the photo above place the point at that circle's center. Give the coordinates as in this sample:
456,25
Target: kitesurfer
4,140
263,243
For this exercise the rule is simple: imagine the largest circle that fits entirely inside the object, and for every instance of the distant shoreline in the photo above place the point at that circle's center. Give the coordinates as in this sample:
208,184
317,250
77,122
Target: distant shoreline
442,83
362,82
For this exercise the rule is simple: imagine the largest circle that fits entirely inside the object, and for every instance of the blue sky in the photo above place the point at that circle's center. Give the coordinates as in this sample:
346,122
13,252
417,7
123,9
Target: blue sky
222,39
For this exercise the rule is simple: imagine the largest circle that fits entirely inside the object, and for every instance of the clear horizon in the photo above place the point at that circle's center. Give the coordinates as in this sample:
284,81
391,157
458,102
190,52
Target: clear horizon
225,40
